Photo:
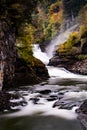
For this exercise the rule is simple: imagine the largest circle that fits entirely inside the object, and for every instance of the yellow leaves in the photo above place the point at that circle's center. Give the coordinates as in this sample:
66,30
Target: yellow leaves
56,12
27,33
25,40
56,17
74,38
69,48
55,7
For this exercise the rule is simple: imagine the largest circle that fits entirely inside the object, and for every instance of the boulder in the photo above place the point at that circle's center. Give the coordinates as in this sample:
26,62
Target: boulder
15,71
46,91
25,74
84,48
79,67
66,104
83,108
11,102
82,114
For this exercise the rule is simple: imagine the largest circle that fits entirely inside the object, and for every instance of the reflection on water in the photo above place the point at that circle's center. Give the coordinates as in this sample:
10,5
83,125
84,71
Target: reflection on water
39,123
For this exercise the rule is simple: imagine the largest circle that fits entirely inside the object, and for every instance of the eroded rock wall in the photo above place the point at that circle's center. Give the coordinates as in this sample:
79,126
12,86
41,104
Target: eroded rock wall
8,51
14,70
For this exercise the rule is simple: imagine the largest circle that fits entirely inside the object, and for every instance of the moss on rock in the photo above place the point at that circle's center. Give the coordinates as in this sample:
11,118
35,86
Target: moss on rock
27,73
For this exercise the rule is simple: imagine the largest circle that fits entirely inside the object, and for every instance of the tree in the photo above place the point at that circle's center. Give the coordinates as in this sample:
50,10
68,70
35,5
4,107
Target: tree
13,13
72,7
17,11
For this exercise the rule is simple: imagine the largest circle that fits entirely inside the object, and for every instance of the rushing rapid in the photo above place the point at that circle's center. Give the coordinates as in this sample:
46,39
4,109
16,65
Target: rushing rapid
49,105
38,103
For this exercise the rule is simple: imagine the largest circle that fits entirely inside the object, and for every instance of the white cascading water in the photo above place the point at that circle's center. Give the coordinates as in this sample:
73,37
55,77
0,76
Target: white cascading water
44,57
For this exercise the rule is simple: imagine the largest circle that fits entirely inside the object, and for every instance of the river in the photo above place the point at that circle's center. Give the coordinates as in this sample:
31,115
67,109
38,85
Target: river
51,104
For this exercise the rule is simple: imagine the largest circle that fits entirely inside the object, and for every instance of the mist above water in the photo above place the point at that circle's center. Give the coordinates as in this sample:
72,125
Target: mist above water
53,45
60,39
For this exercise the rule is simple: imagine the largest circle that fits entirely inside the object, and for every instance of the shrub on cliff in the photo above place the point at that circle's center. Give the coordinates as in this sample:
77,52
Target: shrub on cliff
25,40
70,46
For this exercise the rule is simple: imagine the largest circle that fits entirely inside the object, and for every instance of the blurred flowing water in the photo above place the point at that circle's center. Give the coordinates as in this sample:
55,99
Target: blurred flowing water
50,105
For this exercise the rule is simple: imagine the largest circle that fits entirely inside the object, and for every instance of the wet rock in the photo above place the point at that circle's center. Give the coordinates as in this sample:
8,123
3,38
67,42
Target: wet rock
65,104
46,91
44,44
79,67
25,74
52,98
82,114
84,47
57,61
83,108
70,63
10,101
4,101
16,71
34,100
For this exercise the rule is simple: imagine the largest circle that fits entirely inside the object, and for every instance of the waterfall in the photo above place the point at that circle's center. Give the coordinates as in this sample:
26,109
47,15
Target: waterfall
40,55
50,49
60,39
45,56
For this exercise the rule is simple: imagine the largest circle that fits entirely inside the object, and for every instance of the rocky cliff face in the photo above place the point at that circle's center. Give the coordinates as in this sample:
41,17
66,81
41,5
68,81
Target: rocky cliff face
8,52
72,54
14,70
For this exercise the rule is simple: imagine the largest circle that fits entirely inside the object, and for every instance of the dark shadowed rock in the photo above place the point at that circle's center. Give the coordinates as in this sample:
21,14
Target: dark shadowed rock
82,114
56,61
14,70
44,44
66,104
79,67
84,48
34,100
46,91
70,63
83,108
52,98
10,101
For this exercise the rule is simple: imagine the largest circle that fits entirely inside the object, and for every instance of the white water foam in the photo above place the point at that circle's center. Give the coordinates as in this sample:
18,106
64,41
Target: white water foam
40,55
63,73
76,95
44,108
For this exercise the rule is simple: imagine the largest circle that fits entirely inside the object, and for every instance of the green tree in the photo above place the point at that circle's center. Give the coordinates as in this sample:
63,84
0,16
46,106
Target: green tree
17,11
25,40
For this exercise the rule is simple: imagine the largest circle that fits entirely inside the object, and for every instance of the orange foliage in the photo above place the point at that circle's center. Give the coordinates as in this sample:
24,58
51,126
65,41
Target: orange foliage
56,17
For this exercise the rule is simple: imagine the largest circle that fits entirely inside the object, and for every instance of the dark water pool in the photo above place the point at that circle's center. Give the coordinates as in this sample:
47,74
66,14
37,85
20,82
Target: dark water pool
39,123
